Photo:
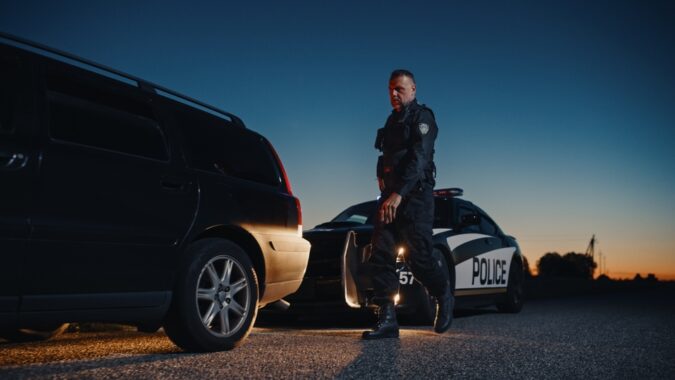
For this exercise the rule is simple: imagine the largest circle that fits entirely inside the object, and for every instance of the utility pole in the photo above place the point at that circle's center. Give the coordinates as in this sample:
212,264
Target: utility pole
590,250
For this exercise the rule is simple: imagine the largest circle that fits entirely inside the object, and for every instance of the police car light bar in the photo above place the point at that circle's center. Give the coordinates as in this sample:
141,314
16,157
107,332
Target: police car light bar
451,192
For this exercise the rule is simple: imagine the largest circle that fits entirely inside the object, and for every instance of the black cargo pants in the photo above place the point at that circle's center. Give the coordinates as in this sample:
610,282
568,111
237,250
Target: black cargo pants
411,229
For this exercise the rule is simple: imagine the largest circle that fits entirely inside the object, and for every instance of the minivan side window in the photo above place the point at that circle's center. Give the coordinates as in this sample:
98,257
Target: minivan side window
12,89
215,145
100,116
249,158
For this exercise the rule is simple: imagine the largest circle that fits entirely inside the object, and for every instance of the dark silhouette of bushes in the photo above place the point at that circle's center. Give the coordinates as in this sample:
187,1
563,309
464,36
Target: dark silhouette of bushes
526,265
572,264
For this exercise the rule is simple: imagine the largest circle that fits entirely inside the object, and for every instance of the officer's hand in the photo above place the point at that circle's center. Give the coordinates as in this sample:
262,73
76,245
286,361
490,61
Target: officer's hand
387,212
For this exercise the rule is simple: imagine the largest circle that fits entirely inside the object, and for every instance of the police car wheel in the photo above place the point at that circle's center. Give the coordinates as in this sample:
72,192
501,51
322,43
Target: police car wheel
425,308
215,301
513,301
34,333
426,305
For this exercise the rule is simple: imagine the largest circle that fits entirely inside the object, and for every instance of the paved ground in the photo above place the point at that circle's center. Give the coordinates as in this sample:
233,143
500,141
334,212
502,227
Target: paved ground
628,335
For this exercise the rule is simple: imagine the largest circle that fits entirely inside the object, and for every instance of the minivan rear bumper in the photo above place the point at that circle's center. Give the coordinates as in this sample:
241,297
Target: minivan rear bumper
286,256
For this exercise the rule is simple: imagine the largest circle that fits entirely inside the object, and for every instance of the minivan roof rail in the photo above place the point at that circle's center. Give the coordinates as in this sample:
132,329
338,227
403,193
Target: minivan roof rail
141,83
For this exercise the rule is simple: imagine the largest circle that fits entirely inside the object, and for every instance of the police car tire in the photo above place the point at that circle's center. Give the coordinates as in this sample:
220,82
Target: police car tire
425,312
34,333
513,301
183,323
425,309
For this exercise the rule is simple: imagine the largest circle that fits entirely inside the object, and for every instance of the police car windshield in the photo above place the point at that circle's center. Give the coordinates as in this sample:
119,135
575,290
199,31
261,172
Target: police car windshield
358,214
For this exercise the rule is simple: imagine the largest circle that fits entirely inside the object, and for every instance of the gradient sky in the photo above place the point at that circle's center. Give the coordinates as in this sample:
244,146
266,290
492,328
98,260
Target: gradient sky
556,117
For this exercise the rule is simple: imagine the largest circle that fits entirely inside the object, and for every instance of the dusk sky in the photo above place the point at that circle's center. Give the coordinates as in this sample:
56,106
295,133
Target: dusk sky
556,117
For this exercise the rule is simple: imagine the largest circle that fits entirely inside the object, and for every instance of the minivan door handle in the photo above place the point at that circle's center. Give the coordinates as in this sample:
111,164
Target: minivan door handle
12,160
174,184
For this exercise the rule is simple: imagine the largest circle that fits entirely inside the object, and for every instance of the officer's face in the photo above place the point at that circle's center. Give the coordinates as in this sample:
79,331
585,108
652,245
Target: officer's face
401,91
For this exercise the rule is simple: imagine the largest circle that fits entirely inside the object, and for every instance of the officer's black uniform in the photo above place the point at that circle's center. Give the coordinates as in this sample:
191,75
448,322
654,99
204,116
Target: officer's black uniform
406,167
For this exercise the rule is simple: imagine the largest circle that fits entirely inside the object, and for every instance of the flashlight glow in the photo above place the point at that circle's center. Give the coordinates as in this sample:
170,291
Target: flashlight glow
400,257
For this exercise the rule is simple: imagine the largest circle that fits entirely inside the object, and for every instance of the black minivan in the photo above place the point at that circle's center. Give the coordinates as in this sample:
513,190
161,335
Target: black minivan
123,201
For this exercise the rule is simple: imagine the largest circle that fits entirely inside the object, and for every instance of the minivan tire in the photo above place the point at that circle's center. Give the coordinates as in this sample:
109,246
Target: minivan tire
212,310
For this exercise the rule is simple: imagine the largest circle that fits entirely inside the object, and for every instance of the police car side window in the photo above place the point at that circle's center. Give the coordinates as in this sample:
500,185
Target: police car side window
442,213
465,210
486,225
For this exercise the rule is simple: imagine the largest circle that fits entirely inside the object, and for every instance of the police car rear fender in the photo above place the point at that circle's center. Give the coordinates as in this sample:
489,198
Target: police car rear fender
480,261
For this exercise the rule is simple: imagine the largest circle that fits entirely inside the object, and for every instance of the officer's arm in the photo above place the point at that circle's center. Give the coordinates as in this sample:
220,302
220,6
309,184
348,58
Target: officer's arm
415,160
380,165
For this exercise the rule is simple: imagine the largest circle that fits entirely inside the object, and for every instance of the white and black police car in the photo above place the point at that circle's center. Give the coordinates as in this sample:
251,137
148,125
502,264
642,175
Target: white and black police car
486,266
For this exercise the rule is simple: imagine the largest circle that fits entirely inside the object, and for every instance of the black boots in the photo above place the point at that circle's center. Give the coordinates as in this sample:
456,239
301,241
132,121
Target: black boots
444,307
387,326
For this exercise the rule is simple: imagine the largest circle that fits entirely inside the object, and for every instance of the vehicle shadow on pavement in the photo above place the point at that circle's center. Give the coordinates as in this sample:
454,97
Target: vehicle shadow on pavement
316,319
353,319
83,365
82,348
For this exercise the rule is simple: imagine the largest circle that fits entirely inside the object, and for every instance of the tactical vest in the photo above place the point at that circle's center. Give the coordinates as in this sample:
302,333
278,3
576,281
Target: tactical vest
395,141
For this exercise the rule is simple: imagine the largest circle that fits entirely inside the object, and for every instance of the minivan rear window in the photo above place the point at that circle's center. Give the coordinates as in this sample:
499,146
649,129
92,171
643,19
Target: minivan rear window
215,145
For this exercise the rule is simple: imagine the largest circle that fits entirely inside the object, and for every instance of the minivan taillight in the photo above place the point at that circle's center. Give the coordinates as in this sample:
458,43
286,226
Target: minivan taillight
287,183
297,204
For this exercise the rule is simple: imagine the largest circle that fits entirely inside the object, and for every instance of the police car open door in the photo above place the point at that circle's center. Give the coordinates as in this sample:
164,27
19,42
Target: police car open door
352,259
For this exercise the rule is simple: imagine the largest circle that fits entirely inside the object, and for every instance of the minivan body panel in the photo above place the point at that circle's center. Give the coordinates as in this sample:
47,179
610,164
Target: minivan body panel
264,214
18,166
103,221
286,255
107,183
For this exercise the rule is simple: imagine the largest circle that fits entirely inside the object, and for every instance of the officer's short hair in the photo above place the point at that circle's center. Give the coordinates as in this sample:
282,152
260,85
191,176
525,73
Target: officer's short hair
400,73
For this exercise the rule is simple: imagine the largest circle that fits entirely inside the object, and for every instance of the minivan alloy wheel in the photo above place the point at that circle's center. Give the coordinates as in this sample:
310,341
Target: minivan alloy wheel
223,296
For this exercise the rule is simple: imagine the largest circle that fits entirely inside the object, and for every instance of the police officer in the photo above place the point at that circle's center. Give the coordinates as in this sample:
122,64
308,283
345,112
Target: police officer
405,173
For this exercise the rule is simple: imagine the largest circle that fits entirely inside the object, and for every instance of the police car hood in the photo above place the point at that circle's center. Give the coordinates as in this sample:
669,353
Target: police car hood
338,227
328,239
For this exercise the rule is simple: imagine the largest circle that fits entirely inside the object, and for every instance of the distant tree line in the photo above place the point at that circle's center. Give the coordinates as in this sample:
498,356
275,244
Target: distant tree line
571,264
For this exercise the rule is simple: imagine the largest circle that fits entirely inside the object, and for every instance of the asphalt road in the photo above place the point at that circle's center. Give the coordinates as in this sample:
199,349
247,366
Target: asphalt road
629,335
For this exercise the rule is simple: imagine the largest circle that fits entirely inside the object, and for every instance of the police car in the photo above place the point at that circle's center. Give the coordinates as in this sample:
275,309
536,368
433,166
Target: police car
485,265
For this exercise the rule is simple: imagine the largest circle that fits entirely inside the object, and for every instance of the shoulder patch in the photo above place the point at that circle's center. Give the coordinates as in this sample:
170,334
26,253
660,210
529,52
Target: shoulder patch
424,128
